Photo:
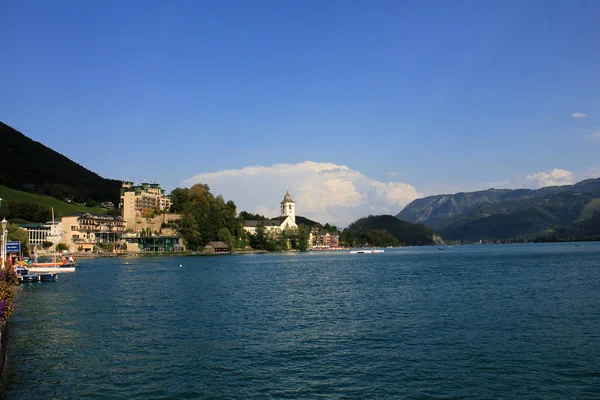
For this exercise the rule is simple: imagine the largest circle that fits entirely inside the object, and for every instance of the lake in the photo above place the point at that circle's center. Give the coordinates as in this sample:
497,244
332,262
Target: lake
478,321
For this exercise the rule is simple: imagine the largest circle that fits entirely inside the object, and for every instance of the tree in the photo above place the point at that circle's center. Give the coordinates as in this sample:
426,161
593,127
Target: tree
91,203
179,197
17,234
259,239
61,247
189,232
302,238
203,216
28,211
226,237
4,209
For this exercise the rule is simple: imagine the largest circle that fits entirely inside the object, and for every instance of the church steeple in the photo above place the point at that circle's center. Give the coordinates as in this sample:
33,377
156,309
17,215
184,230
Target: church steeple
288,206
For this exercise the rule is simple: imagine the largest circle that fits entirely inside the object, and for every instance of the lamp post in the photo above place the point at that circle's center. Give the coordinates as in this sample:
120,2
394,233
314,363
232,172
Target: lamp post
4,225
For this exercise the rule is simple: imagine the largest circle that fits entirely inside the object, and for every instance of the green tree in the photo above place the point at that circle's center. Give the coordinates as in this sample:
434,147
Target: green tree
91,203
61,247
226,237
16,234
302,238
179,197
4,209
259,239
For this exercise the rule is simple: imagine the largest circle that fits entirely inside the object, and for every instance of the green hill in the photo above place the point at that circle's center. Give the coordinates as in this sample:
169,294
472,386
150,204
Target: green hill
61,208
406,233
31,166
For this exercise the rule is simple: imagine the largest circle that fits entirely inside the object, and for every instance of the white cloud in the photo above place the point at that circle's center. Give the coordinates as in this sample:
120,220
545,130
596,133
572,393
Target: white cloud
578,115
392,173
554,177
594,137
325,192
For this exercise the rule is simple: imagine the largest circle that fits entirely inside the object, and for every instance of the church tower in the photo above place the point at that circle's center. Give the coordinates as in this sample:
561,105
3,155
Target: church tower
288,207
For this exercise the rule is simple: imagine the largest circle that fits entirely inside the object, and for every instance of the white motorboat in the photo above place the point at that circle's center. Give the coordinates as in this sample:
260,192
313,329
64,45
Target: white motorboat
365,251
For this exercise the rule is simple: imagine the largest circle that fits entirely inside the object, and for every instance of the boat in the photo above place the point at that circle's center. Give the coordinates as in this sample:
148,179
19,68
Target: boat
30,278
49,264
64,265
365,251
48,277
45,270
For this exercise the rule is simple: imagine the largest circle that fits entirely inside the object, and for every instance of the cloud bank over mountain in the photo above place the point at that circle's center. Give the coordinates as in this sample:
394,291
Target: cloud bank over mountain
553,177
325,192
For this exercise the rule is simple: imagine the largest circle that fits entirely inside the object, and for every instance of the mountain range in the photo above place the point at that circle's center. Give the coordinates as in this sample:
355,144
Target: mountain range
554,213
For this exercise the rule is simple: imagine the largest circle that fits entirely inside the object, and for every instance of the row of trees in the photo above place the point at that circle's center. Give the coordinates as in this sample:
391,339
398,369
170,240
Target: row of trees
24,211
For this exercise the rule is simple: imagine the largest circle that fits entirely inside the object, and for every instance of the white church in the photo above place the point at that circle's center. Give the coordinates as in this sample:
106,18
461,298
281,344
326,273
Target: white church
287,219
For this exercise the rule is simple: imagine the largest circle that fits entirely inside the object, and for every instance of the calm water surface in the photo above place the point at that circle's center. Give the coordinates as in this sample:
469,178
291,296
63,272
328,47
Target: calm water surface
491,321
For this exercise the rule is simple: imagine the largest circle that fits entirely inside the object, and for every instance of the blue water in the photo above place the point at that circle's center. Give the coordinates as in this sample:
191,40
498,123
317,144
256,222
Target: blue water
490,321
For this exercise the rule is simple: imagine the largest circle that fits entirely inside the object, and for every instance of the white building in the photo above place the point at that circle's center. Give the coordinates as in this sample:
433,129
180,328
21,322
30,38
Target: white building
287,219
41,233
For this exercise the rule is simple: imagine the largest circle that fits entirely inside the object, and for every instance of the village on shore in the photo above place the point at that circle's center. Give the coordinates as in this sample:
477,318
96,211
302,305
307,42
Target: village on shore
146,226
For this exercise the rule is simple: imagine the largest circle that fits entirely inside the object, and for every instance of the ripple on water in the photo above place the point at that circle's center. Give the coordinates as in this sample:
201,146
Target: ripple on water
474,321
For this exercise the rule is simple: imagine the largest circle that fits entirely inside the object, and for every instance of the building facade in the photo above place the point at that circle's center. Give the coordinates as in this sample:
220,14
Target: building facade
136,243
323,240
136,199
82,231
38,234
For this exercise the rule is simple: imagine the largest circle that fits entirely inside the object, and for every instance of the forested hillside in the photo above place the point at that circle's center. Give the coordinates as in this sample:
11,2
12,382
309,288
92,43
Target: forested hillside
373,229
33,167
508,214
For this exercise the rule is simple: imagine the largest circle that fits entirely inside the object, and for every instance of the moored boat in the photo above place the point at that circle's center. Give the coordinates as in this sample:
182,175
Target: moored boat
30,278
44,270
48,277
365,251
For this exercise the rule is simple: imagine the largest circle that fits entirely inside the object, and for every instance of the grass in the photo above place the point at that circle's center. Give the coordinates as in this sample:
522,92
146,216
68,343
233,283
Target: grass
60,207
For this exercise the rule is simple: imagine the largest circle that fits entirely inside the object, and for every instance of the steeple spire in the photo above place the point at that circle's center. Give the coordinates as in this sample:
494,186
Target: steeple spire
288,206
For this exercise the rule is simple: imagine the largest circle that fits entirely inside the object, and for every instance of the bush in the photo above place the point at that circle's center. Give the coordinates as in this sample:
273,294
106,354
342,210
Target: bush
8,280
61,247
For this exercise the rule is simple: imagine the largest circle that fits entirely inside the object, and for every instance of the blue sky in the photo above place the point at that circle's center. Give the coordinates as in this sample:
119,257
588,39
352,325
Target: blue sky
421,97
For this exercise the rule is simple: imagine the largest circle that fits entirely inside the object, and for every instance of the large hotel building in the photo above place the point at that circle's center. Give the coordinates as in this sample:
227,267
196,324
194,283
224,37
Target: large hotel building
137,198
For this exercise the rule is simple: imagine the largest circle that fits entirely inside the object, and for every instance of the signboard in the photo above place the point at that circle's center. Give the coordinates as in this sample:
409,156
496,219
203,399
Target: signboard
13,247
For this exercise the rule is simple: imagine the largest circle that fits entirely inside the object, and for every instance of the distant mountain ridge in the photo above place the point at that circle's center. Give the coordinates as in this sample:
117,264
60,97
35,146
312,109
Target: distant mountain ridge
506,213
31,166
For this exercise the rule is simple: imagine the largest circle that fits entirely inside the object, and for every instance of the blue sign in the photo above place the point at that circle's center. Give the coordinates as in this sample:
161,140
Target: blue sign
13,247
